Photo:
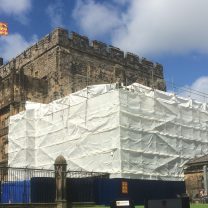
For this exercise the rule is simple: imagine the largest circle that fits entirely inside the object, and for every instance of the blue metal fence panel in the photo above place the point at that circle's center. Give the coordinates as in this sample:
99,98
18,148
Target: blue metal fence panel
99,190
15,192
43,190
109,190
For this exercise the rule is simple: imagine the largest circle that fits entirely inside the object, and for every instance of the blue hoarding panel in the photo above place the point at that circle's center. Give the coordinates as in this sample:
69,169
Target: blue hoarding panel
108,190
43,190
15,192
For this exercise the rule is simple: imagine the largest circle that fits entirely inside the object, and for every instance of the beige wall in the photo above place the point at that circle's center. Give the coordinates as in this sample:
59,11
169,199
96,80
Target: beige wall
194,183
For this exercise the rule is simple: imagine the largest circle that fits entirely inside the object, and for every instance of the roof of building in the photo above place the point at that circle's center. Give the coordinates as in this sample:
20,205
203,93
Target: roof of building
198,160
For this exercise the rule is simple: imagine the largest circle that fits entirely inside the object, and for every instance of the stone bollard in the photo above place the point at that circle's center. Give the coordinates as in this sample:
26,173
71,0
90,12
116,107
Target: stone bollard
60,176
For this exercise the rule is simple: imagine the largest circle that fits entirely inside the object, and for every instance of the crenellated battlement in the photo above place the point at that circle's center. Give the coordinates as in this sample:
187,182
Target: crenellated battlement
56,37
112,53
79,41
74,40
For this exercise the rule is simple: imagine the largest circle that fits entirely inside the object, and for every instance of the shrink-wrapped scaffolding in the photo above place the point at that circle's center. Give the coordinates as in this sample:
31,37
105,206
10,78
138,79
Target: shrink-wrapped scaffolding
132,132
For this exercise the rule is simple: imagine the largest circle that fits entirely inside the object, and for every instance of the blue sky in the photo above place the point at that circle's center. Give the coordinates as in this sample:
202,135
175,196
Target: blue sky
171,32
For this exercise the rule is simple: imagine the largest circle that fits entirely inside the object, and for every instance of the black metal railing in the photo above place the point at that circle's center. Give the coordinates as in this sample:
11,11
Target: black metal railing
19,185
85,174
27,185
82,186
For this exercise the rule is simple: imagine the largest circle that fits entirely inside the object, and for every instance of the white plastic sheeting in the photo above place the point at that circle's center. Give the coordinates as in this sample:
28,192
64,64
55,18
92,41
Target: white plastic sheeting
134,132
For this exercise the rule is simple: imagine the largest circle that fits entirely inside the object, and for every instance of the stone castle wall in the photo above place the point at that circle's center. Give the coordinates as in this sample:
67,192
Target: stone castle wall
194,183
60,64
57,55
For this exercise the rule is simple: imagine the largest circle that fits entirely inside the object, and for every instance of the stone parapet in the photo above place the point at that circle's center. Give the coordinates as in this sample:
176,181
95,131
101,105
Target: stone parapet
57,37
61,37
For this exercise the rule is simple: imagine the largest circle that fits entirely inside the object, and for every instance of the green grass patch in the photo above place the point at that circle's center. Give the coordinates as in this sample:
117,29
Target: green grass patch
192,206
199,205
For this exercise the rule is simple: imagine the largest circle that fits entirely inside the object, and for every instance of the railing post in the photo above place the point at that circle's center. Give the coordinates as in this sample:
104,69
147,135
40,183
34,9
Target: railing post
205,179
60,176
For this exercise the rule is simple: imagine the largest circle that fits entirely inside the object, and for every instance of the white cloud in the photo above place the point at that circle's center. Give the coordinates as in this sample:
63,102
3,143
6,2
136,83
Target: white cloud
198,90
55,12
96,19
148,26
14,44
17,8
14,7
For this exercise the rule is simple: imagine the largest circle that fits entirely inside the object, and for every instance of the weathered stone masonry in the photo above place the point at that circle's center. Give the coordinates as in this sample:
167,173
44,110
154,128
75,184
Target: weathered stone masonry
60,64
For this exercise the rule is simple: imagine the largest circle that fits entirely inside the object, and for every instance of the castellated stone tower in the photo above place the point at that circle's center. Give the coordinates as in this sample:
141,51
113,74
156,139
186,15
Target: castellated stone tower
60,64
